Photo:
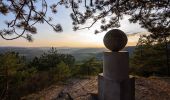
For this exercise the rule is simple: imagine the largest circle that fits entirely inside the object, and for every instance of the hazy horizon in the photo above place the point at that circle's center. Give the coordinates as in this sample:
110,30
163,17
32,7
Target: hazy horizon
54,47
98,43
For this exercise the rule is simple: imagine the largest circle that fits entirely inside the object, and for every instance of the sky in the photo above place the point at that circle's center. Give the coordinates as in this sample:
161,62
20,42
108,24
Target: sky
46,37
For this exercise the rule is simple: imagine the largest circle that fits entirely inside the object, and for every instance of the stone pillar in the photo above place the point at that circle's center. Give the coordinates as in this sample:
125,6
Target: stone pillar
114,83
116,65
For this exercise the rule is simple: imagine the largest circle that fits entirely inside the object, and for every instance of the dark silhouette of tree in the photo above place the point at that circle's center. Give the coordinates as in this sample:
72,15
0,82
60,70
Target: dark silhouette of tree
151,15
150,57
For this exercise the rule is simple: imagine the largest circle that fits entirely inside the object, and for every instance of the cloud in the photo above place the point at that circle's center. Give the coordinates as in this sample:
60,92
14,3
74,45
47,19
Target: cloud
133,38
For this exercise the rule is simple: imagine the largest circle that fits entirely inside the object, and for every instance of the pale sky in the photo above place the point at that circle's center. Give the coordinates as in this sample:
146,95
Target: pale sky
46,37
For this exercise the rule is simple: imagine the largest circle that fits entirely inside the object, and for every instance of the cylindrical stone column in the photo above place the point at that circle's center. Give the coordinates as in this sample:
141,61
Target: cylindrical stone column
116,65
115,73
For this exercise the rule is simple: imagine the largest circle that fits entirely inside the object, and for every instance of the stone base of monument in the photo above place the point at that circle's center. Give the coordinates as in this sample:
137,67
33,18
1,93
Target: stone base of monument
116,90
114,83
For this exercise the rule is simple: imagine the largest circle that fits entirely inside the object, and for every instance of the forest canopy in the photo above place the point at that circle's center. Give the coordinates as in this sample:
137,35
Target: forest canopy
152,15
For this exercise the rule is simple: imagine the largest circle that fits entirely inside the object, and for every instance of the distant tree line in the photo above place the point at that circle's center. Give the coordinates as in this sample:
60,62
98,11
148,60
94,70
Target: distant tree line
19,77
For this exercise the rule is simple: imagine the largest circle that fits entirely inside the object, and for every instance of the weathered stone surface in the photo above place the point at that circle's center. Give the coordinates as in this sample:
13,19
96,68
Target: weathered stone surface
115,40
114,83
100,86
116,65
116,90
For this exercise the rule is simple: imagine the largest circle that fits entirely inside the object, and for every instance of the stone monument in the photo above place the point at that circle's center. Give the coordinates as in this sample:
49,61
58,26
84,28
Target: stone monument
114,83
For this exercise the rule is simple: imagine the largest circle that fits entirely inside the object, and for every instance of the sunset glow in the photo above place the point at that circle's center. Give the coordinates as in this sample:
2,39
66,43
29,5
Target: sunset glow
46,37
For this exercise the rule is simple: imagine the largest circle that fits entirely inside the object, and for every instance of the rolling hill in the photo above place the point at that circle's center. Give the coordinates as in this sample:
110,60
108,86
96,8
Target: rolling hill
79,53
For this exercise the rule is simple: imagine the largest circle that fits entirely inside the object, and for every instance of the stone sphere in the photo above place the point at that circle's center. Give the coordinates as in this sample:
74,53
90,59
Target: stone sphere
115,40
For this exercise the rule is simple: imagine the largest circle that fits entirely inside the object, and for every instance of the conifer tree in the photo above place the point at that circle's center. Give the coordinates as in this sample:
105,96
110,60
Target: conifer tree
149,57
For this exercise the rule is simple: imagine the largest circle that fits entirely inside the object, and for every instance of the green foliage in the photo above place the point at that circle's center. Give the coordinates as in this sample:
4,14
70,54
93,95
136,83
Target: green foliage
12,61
149,57
51,59
51,67
61,72
90,67
14,72
13,66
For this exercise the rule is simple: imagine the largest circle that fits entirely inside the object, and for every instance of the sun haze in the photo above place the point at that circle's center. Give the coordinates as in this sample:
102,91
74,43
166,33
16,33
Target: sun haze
46,37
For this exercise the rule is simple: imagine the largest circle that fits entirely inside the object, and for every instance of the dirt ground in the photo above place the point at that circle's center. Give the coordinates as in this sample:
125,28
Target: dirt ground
153,88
